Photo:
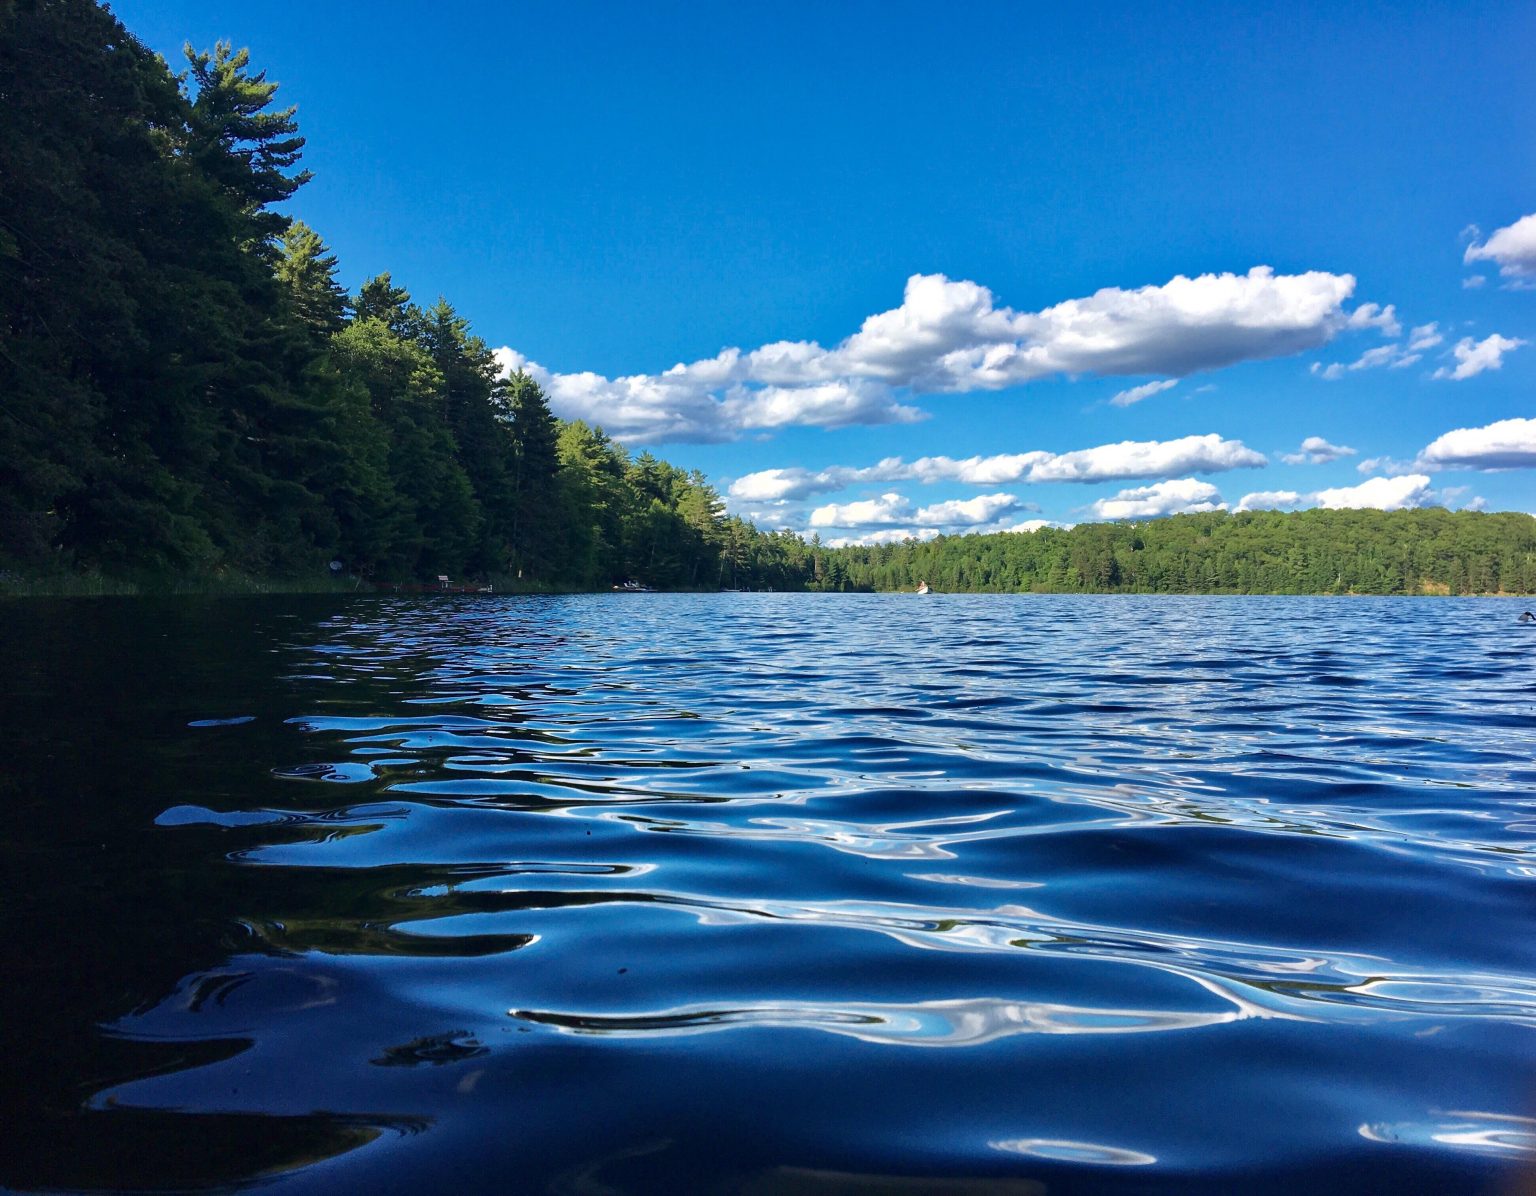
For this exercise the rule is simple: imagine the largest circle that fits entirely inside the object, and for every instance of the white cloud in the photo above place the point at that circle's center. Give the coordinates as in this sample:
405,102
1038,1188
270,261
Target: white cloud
1371,315
1317,451
1269,500
774,518
970,512
1454,498
1472,282
951,337
894,535
1396,357
1163,498
837,404
775,485
1125,461
1031,525
1425,336
1384,494
1473,357
1147,459
1145,391
977,471
1513,249
1389,466
1506,444
887,510
695,403
893,510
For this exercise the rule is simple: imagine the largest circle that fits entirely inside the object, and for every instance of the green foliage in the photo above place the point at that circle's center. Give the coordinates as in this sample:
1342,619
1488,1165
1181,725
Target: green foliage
534,524
380,299
235,143
308,271
1258,552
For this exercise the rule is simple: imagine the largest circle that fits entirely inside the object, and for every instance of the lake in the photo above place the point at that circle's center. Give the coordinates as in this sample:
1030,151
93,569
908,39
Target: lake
769,893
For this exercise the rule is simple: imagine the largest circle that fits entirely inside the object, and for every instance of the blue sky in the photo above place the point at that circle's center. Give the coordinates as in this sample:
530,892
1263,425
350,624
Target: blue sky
1083,198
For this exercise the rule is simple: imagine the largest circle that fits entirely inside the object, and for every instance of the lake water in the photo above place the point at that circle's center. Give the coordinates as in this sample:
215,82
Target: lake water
770,893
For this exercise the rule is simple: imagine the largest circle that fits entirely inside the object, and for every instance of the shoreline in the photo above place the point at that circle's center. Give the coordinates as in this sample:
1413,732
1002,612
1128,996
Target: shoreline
14,587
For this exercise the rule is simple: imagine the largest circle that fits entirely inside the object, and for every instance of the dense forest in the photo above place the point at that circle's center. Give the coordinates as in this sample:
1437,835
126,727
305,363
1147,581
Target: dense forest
189,391
1431,551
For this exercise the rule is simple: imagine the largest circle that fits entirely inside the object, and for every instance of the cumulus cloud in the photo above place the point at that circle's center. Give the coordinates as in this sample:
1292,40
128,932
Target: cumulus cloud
1269,500
1145,391
969,512
1383,494
777,485
891,510
1147,459
951,336
1163,498
1512,249
1124,461
1506,444
888,509
1473,356
706,402
1317,451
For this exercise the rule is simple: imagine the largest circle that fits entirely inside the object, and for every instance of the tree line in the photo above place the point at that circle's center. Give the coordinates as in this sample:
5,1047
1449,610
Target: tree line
188,389
1428,551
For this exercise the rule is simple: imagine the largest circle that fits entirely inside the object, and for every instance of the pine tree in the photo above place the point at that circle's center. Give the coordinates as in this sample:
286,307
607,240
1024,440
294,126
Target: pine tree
308,270
239,145
534,532
380,299
484,442
406,396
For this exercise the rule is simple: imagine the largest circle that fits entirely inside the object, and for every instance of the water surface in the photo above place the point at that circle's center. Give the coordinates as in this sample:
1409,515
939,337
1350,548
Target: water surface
769,893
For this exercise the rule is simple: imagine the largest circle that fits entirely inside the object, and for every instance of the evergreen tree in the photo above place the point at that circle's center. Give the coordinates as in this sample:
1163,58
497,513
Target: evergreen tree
308,270
238,144
486,448
405,390
591,501
380,299
534,530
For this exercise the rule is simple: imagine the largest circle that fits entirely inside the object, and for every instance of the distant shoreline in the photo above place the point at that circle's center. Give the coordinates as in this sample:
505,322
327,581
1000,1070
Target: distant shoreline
198,586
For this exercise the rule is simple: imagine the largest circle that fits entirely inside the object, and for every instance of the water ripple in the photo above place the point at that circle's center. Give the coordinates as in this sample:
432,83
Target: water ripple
1277,855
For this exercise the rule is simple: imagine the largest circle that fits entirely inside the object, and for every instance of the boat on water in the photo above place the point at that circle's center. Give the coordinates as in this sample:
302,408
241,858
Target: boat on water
633,587
922,588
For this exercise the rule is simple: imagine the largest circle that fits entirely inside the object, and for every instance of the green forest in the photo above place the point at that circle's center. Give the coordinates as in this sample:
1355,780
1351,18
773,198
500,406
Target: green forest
1430,551
190,392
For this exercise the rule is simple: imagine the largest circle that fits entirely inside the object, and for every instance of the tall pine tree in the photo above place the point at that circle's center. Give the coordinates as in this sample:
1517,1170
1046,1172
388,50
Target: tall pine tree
535,534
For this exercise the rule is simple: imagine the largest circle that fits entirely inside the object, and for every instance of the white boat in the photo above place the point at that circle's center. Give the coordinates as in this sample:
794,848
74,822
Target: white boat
922,588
